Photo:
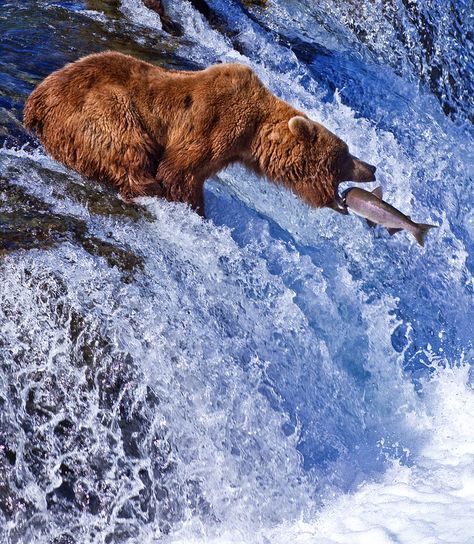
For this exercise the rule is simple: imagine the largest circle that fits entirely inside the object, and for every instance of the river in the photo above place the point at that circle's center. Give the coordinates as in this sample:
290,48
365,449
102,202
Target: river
272,373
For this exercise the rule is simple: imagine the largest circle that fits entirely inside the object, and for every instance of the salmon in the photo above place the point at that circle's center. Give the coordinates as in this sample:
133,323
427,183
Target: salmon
376,211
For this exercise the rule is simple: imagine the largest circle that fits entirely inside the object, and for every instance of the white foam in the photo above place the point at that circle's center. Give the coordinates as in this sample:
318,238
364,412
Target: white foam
429,502
141,15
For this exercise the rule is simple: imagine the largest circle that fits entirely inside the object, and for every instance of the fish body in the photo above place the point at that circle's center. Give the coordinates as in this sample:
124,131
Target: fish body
376,211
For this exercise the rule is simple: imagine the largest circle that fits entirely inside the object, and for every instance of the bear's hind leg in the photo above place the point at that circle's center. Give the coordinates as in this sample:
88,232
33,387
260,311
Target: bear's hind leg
119,147
135,185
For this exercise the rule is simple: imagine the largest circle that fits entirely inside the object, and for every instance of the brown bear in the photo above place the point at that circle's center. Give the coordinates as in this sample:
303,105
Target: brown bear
151,131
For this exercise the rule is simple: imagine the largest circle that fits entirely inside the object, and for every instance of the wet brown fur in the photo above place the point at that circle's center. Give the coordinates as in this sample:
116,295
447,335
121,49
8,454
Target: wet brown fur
151,131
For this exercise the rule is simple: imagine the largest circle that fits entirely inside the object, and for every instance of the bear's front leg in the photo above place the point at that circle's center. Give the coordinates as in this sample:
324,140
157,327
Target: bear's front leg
196,200
181,175
183,187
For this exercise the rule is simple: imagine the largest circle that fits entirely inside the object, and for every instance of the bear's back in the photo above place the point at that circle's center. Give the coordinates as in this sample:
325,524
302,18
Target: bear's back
110,116
72,83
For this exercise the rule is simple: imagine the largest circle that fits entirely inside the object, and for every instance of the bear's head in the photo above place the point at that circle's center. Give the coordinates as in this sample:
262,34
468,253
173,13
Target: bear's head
312,161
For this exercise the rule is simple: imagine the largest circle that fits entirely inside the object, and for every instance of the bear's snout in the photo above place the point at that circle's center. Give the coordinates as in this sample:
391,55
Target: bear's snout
362,172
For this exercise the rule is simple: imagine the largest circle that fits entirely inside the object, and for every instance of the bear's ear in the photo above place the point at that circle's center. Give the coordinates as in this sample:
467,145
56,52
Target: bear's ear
301,127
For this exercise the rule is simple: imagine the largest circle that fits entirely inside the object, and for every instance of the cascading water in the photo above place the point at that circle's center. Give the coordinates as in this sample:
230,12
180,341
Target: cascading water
273,373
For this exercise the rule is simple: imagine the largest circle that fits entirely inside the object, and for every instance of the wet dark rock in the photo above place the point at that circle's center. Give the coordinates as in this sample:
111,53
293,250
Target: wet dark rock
26,222
64,539
168,24
9,454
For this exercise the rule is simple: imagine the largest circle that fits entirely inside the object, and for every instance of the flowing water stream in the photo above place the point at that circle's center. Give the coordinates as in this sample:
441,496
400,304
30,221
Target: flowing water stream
270,374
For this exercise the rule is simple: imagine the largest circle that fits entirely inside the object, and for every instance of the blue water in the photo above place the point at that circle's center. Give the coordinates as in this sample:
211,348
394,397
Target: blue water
168,378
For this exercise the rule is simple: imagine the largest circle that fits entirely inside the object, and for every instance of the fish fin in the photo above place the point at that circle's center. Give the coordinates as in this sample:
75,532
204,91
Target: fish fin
378,192
421,230
371,223
393,231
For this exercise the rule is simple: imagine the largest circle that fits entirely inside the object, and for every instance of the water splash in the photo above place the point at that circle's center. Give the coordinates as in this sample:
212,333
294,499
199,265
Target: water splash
252,376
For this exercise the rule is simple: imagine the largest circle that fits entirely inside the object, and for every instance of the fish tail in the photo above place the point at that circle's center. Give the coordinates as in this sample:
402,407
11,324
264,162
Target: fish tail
420,232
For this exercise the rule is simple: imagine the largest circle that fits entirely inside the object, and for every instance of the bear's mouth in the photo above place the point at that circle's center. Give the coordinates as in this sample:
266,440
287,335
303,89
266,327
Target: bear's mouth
340,200
338,203
340,196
